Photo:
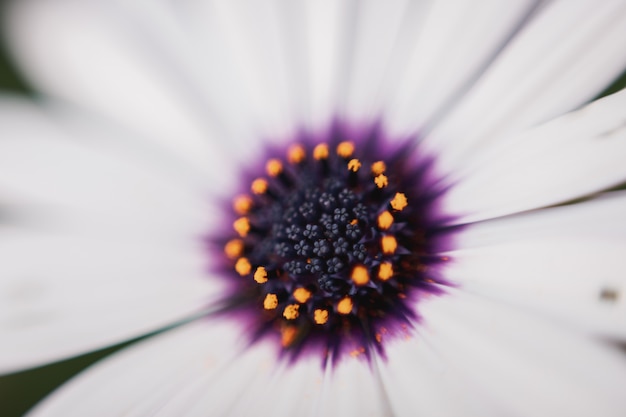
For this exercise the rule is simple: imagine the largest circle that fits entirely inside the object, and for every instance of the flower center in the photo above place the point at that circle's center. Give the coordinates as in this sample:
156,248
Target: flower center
327,245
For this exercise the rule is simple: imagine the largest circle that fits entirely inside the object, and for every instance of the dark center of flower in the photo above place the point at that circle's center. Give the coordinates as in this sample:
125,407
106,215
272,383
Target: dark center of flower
326,246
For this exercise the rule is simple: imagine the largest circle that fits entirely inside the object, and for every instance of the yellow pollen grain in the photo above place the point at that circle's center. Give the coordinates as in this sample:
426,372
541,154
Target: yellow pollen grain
320,316
296,154
354,165
345,149
288,335
259,186
242,204
302,295
381,181
242,226
378,168
320,151
234,248
389,244
273,167
243,267
385,271
270,302
344,306
384,220
360,275
357,352
291,312
260,275
399,202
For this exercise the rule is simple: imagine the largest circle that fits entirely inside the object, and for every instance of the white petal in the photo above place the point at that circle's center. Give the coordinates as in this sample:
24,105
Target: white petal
105,242
96,55
598,219
373,38
419,383
353,389
145,378
250,39
489,359
575,155
200,369
443,47
76,172
326,33
566,262
563,58
62,295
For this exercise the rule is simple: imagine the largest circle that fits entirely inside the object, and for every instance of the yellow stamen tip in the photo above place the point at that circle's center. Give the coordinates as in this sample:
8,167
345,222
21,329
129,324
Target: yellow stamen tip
320,151
344,306
389,244
385,271
260,275
242,204
274,167
242,266
345,149
270,302
296,154
291,311
302,295
360,275
259,186
234,248
378,168
385,220
381,181
399,202
242,226
288,335
320,316
354,165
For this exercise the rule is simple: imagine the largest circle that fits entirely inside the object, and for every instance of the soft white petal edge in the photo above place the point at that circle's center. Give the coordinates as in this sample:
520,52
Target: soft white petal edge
566,262
471,357
562,58
135,65
205,368
475,357
63,295
62,165
572,156
99,245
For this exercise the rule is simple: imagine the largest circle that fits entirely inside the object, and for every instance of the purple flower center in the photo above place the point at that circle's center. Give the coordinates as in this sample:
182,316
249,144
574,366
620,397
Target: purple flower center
331,247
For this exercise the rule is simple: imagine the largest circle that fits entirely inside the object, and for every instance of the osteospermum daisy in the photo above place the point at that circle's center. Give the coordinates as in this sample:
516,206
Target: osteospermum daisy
334,208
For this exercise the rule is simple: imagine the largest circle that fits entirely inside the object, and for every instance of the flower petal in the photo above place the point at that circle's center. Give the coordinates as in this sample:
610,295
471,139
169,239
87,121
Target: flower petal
93,230
72,171
565,262
491,359
353,389
63,295
203,368
376,29
443,48
119,69
567,158
563,58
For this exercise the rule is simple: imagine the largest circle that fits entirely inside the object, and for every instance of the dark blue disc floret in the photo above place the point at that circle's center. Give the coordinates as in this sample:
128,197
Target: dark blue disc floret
329,247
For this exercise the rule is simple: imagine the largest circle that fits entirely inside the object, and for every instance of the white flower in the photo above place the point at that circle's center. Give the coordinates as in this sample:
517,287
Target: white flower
151,109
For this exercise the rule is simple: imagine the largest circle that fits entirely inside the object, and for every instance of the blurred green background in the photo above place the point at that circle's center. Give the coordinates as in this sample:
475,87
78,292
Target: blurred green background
19,391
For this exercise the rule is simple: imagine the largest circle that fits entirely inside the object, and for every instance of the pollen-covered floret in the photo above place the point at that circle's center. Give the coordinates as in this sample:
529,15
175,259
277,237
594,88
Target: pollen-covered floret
325,249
